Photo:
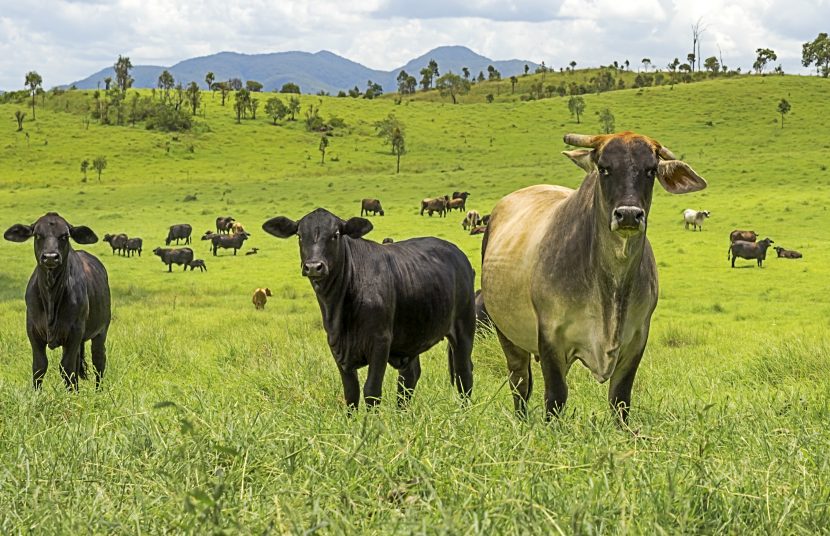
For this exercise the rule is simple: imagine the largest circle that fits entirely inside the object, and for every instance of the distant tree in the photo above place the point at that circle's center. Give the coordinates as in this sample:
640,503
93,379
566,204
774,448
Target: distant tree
493,73
513,81
480,76
194,96
393,132
779,70
84,167
293,107
253,105
403,82
606,120
489,98
691,59
355,92
324,144
696,31
122,67
373,89
18,116
646,63
99,164
573,65
576,105
426,78
224,89
527,68
290,87
783,109
275,109
817,52
627,64
241,103
253,86
453,85
107,82
712,65
433,67
166,83
764,56
466,72
235,84
34,82
210,78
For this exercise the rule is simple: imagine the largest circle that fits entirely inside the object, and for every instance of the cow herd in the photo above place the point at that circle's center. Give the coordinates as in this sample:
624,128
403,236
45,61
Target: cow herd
578,284
742,244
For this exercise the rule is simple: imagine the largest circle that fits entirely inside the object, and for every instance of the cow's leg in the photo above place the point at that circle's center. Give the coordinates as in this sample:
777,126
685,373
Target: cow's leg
170,268
71,360
99,357
520,375
619,390
460,349
407,380
378,358
733,261
554,370
351,388
39,360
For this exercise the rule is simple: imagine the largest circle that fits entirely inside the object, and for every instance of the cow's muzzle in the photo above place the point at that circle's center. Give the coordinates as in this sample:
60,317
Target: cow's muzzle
628,220
50,260
315,269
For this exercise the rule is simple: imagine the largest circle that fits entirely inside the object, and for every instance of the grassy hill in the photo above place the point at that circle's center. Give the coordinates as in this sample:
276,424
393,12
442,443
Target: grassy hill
216,416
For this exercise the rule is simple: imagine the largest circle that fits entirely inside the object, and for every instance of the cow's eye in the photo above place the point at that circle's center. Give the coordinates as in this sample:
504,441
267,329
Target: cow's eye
335,236
63,238
651,173
604,171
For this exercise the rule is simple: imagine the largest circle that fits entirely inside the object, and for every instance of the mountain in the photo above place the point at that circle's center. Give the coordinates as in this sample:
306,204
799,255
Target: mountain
313,72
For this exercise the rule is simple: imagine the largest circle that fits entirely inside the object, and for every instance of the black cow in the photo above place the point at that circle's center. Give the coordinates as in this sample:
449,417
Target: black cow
117,242
134,245
224,224
385,303
460,195
179,232
234,241
750,250
197,263
67,299
371,205
787,253
171,256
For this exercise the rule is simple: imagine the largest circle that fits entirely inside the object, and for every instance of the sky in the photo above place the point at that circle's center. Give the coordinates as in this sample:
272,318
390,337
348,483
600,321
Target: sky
67,40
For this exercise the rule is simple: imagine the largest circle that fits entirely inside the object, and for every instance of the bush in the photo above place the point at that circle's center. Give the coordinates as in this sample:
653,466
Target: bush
167,118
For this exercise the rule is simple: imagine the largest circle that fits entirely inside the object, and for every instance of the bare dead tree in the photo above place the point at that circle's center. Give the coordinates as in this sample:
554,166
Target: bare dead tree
697,29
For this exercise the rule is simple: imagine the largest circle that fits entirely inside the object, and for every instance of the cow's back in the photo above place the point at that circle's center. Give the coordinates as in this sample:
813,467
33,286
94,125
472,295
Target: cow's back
518,227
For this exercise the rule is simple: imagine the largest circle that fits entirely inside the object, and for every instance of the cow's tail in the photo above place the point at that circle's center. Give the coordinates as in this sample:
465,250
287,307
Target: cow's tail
82,363
729,252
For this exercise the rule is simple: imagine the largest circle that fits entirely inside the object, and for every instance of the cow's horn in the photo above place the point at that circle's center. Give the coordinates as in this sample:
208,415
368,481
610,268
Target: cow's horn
665,154
582,140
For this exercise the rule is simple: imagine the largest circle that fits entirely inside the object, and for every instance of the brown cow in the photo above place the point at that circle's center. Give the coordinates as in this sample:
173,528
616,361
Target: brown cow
261,296
371,205
569,275
436,204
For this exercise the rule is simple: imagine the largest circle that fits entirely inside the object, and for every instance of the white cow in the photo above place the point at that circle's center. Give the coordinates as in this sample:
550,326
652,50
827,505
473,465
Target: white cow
695,218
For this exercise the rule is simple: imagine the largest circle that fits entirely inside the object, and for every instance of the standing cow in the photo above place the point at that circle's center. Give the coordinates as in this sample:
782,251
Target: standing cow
385,303
694,218
569,275
67,299
750,250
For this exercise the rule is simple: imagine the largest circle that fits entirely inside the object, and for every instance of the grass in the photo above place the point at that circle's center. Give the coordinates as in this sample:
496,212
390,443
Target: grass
215,417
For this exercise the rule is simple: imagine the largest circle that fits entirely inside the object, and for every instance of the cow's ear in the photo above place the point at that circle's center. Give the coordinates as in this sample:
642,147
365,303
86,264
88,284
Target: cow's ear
18,233
678,178
356,227
281,227
582,158
268,292
82,234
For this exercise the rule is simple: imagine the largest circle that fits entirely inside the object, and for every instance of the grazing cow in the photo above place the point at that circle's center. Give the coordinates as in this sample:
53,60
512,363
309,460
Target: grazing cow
370,205
787,253
67,299
478,230
569,275
261,296
750,250
436,204
134,245
482,318
178,232
117,242
385,303
171,256
197,263
472,219
224,224
252,251
695,218
234,241
388,240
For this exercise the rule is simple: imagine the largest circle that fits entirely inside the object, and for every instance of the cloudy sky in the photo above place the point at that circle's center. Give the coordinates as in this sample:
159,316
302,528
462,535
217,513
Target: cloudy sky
66,40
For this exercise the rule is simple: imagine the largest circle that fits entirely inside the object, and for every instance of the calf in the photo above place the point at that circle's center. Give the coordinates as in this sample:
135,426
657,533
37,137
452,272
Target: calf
252,251
117,242
478,230
171,256
371,205
786,253
134,245
67,299
224,224
261,296
179,232
750,250
695,218
197,263
436,204
385,303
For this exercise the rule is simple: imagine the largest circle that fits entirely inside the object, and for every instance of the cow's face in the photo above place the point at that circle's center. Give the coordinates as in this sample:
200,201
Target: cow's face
52,234
320,235
625,166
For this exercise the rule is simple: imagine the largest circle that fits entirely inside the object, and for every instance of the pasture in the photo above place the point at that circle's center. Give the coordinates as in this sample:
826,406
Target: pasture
216,417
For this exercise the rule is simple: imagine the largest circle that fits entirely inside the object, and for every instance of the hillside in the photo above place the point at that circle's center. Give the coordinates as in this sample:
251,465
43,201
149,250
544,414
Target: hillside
320,71
214,417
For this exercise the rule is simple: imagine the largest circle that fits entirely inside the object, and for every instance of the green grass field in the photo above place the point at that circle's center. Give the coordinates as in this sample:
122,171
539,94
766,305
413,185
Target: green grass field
215,417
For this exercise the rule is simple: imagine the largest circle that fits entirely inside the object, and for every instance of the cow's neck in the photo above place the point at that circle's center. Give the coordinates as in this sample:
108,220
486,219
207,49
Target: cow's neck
51,290
332,292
